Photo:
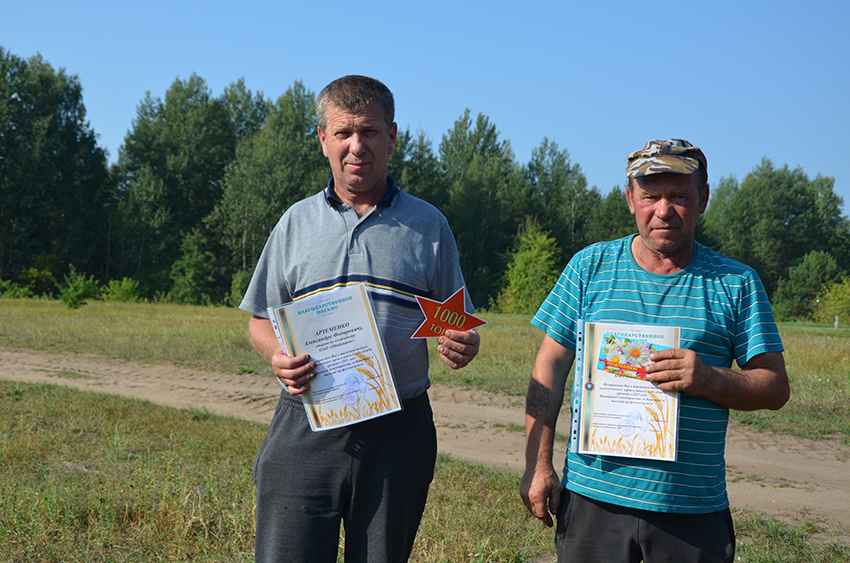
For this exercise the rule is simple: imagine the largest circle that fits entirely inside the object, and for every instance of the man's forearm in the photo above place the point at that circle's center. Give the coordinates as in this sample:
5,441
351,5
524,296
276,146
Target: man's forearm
761,383
544,399
751,388
263,336
542,405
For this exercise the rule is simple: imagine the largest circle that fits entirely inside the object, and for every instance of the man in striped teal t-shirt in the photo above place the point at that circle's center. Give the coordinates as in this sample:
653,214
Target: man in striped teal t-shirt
623,509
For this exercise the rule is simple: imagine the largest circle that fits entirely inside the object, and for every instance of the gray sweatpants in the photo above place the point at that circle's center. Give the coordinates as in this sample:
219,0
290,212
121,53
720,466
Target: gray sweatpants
372,476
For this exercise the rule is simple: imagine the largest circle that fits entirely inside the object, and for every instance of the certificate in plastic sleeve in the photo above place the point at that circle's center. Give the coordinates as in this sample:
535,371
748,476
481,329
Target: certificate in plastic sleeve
353,379
615,410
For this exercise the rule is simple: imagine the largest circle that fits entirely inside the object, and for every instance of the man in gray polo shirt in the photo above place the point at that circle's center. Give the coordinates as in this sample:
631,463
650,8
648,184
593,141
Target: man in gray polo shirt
372,476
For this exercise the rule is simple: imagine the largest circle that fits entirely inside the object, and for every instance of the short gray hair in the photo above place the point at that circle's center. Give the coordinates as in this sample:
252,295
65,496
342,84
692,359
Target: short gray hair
353,93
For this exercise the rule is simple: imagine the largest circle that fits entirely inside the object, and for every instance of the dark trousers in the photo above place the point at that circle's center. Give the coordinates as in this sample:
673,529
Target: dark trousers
373,477
590,531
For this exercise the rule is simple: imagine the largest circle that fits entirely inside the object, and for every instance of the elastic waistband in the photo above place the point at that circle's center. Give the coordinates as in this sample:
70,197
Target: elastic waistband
417,402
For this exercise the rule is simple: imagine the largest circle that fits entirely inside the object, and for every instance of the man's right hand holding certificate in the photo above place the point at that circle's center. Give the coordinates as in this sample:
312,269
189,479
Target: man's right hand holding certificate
294,373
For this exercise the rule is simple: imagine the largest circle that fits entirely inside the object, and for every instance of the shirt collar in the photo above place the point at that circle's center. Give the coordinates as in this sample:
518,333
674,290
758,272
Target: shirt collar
331,197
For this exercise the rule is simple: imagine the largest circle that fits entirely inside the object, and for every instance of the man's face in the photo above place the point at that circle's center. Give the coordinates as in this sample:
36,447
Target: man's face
358,146
666,208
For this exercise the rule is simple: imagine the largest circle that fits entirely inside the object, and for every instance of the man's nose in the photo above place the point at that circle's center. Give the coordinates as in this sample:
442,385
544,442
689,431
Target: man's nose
663,207
356,143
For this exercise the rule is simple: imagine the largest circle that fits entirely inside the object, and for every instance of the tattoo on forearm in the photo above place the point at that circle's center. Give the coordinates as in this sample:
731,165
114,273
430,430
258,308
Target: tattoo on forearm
538,400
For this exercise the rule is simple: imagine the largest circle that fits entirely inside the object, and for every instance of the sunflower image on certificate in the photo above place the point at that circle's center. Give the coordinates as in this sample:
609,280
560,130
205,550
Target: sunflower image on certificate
624,355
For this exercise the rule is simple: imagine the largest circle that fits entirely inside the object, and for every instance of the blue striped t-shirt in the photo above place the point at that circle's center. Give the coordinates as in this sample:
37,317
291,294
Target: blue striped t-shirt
725,316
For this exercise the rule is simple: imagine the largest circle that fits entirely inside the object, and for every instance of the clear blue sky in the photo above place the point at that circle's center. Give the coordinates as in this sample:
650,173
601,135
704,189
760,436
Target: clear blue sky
742,79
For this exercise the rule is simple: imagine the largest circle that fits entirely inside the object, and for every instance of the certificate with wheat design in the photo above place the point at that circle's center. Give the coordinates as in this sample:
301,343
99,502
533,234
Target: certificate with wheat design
353,379
622,414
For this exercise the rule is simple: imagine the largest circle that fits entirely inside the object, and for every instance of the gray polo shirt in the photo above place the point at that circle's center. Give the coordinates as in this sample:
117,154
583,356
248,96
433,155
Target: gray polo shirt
402,248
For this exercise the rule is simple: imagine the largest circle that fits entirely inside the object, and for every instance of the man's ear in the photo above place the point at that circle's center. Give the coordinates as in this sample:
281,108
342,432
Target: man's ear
393,135
703,204
322,141
629,196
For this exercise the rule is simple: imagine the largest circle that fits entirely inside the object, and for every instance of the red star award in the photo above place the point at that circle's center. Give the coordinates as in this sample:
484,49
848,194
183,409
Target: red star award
448,315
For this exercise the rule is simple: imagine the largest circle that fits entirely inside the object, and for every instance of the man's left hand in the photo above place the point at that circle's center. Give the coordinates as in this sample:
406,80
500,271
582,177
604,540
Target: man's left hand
458,348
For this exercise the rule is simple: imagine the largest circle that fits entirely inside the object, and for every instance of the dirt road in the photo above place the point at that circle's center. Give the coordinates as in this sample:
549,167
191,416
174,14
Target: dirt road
778,475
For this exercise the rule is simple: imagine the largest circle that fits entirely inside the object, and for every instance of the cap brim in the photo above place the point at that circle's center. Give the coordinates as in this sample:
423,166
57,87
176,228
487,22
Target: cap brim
661,164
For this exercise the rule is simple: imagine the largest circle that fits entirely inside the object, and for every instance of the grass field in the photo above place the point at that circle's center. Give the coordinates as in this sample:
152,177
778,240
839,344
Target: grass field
87,477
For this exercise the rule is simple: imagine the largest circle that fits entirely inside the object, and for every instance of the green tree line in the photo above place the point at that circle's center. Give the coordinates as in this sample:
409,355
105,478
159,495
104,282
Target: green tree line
200,180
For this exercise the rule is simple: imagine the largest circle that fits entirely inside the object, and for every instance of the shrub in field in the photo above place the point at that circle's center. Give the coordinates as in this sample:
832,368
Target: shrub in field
32,282
12,290
238,285
77,289
532,271
40,282
795,296
125,290
192,273
835,302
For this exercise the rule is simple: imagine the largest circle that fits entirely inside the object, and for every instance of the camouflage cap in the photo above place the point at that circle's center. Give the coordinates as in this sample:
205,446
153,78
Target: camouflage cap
675,156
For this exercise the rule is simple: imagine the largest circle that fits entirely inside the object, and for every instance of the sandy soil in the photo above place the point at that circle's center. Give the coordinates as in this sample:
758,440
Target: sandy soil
778,475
